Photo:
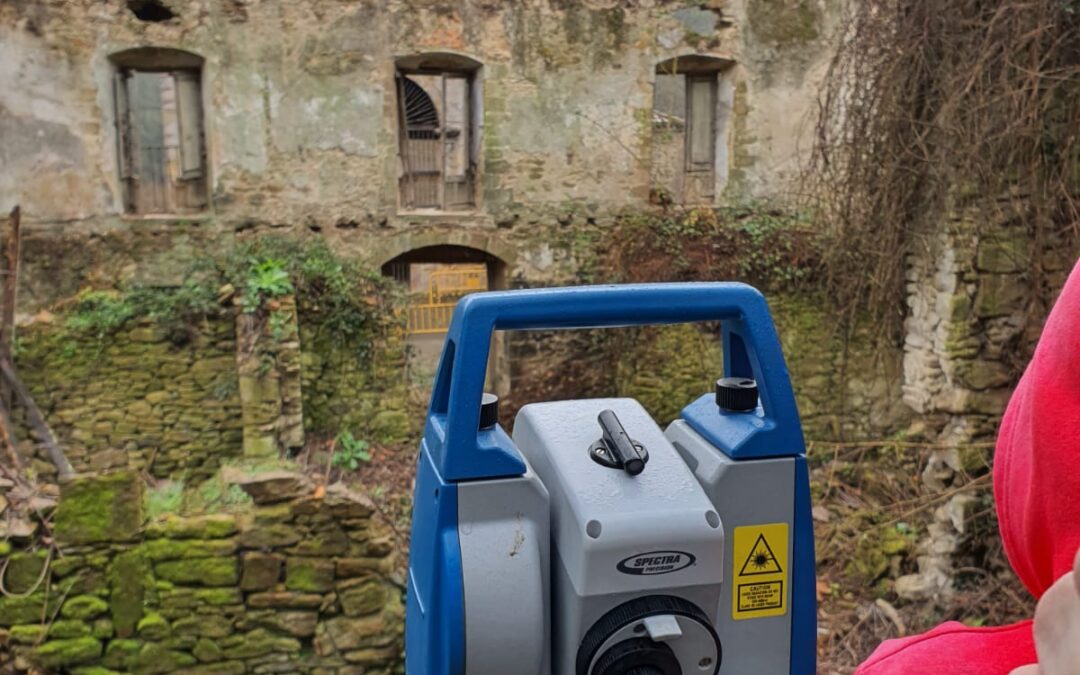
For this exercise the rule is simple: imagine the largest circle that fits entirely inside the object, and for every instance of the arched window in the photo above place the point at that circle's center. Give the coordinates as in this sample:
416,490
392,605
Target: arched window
691,106
438,111
161,140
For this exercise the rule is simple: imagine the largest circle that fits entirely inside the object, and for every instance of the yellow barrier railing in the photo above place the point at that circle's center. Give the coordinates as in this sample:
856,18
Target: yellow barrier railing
427,319
445,287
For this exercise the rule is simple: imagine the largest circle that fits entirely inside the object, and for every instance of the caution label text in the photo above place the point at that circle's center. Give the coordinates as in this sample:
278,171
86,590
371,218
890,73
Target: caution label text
759,585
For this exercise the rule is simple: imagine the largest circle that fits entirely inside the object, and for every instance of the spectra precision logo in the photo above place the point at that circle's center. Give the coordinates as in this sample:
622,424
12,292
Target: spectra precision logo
656,562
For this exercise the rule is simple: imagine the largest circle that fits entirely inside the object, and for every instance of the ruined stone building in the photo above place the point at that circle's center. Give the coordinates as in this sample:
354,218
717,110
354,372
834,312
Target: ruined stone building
139,133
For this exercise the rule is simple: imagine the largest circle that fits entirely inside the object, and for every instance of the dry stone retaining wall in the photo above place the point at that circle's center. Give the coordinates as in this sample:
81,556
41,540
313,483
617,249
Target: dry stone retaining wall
303,583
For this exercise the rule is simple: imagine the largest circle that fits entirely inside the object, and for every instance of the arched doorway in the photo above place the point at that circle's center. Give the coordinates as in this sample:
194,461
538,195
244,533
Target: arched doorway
436,277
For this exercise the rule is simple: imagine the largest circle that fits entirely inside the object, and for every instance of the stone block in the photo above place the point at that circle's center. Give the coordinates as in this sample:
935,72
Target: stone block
1000,295
207,651
153,626
284,599
267,487
260,571
157,658
309,574
27,634
174,549
360,597
200,571
295,623
329,542
106,508
69,628
255,643
24,569
217,526
84,607
204,625
360,567
269,536
342,633
56,654
1003,255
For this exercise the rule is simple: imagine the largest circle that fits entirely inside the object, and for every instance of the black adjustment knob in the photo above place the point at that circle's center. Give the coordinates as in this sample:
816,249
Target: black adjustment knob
736,394
489,411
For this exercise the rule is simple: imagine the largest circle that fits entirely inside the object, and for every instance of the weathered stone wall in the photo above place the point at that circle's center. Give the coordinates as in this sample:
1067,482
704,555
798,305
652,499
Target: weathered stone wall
301,124
357,388
135,398
853,392
303,583
977,297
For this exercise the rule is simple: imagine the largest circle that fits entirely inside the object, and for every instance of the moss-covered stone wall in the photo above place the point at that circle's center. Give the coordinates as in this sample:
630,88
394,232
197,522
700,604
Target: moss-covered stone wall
841,390
356,388
303,584
135,397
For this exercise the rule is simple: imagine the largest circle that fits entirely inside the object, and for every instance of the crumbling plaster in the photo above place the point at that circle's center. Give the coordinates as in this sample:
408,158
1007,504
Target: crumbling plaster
300,112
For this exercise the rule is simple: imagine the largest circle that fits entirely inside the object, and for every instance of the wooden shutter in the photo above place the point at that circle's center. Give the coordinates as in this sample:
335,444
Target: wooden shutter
123,124
189,118
701,122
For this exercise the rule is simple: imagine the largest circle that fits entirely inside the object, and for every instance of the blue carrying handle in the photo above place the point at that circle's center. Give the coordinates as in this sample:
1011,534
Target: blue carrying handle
751,349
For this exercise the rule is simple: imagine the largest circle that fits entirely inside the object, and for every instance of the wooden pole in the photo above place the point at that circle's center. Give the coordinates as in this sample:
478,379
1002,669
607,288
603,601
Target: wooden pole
36,420
10,241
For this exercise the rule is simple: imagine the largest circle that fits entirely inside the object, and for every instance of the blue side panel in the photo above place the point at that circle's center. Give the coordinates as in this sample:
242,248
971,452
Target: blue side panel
434,609
804,579
749,435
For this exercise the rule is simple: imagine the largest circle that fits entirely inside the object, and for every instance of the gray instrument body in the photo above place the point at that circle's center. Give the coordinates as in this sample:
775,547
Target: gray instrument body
547,555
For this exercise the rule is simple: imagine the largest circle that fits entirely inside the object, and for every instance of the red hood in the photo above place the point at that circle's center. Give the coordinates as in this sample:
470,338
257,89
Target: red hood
1037,488
1037,462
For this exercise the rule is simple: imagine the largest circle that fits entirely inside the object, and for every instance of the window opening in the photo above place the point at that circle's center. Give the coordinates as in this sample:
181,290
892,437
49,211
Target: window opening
436,138
161,143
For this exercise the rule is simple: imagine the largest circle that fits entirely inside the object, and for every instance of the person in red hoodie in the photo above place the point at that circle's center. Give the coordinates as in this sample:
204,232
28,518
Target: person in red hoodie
1037,490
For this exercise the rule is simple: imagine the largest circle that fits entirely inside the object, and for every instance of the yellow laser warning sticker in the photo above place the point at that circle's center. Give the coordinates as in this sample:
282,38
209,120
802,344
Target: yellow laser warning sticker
759,584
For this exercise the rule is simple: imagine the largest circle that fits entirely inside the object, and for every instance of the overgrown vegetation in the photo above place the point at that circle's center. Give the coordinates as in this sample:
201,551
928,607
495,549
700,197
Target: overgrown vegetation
350,452
347,301
754,241
937,106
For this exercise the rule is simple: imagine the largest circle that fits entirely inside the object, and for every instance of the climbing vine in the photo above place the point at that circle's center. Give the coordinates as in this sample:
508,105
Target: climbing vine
932,107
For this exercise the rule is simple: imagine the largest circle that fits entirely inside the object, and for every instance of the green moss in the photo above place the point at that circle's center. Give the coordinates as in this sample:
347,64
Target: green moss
153,626
309,574
84,607
94,670
24,571
156,658
59,653
104,508
172,549
215,526
668,367
27,634
121,653
207,651
256,643
127,583
69,628
201,571
102,628
24,610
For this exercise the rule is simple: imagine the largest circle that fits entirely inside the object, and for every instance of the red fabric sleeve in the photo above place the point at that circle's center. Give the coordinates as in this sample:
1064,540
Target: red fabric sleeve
955,649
